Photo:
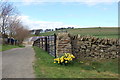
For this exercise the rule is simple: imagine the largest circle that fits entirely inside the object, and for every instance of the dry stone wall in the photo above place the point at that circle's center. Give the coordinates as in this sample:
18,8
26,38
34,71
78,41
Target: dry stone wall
85,46
92,47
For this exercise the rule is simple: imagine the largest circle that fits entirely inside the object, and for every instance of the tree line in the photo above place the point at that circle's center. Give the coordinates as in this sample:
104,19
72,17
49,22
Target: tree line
10,24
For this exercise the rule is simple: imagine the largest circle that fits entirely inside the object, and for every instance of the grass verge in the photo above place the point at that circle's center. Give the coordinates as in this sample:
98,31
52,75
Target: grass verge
7,47
45,68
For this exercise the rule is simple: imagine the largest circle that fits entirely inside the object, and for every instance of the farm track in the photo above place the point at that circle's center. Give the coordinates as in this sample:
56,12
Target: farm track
17,63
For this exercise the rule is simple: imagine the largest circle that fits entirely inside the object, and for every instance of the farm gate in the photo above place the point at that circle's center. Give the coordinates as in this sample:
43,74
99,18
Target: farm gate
47,43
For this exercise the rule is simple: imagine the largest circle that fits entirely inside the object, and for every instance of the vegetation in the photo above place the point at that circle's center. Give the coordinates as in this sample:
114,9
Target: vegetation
7,47
65,59
45,68
103,32
11,25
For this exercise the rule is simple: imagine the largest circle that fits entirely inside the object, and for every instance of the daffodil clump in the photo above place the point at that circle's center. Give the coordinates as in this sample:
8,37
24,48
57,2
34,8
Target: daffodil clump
65,59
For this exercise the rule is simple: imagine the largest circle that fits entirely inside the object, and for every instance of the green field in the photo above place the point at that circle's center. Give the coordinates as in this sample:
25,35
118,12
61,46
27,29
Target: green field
98,32
45,68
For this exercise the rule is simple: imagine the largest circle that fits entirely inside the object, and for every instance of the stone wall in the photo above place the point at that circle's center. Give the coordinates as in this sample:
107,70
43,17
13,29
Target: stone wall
63,44
92,47
85,46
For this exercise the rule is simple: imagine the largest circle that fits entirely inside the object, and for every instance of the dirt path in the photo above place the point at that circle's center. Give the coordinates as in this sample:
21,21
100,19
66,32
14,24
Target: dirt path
17,63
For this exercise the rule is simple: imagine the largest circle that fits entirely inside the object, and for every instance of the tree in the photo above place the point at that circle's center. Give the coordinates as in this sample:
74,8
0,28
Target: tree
37,32
20,32
10,24
6,12
13,23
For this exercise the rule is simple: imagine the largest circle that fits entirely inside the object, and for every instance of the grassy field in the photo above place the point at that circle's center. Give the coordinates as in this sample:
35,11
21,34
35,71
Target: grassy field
98,32
7,47
45,68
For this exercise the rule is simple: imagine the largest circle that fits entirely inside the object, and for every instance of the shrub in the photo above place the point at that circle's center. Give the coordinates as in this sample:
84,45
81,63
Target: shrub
65,59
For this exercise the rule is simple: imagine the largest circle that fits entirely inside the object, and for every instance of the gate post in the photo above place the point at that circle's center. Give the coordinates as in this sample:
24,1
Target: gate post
63,44
55,44
46,49
42,42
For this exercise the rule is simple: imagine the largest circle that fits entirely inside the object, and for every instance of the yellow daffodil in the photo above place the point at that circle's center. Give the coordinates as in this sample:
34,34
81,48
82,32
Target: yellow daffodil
69,58
56,59
66,61
66,55
72,56
62,59
65,58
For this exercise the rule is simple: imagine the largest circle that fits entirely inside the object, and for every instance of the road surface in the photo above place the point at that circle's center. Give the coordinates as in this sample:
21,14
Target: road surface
18,63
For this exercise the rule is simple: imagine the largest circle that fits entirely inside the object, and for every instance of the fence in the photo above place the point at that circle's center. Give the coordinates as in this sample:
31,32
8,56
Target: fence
48,43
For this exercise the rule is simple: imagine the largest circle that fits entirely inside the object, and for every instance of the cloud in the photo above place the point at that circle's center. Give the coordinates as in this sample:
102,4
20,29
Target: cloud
39,24
48,24
43,24
89,2
105,9
65,26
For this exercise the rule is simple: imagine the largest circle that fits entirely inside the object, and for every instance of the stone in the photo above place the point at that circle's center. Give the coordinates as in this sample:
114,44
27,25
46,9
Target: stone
101,50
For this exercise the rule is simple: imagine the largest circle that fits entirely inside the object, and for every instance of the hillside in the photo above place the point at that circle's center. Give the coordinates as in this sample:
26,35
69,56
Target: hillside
109,32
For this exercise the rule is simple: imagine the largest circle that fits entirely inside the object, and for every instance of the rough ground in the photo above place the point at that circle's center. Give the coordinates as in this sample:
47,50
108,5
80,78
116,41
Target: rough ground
17,63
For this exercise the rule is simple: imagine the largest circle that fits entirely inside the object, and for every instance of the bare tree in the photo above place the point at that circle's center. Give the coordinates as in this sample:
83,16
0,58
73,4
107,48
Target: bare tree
13,23
6,11
17,30
10,24
20,32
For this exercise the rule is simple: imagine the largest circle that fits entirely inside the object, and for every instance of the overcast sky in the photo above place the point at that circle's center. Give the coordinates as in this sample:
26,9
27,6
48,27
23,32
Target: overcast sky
42,14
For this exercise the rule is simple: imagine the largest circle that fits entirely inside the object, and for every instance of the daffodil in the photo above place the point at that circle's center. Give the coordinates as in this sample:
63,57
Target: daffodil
66,61
66,55
65,58
61,59
72,56
56,59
